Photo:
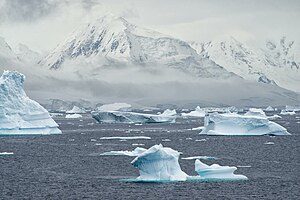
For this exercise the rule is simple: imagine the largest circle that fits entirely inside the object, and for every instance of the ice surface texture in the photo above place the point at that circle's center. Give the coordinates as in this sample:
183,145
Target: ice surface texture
235,124
198,112
216,171
132,117
159,163
19,115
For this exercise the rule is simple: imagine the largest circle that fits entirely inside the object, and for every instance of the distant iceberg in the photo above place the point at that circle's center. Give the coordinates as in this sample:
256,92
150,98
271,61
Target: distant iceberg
255,112
19,115
76,110
216,171
292,108
198,112
133,117
159,163
73,116
235,124
269,109
126,138
137,151
285,112
115,107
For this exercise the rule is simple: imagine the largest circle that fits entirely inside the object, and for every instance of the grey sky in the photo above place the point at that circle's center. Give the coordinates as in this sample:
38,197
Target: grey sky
42,24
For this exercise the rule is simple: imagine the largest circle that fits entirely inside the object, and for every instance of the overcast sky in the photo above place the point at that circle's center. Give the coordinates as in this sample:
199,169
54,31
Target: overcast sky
42,24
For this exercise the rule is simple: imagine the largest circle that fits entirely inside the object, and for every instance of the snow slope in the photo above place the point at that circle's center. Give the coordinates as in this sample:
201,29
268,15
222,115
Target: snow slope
275,63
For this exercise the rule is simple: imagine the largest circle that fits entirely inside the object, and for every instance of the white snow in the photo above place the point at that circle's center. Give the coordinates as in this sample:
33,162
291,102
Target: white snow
216,171
18,113
114,107
198,112
131,117
126,138
76,110
73,116
159,163
235,124
169,112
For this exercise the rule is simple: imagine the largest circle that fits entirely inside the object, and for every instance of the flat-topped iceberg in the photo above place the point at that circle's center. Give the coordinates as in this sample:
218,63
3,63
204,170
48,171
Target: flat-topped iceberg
235,124
115,107
159,163
216,171
198,112
19,115
133,117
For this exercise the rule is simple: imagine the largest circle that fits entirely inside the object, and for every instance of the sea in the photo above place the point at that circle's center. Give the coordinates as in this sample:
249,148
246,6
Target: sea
70,165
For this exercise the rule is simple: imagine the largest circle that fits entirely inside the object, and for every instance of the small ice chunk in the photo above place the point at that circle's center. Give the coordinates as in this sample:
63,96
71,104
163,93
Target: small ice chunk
159,163
166,140
198,128
201,140
284,112
274,117
269,143
73,116
216,171
6,153
126,138
134,144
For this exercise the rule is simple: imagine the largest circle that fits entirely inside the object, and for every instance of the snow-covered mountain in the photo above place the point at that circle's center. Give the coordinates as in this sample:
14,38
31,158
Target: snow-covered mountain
7,56
24,53
275,63
117,40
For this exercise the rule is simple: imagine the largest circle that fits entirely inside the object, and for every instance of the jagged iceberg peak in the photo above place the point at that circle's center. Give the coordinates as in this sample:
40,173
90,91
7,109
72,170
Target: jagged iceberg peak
18,113
159,163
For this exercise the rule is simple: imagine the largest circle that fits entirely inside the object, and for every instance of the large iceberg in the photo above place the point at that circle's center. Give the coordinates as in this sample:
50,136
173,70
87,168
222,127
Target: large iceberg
216,171
159,163
198,112
235,124
133,117
19,115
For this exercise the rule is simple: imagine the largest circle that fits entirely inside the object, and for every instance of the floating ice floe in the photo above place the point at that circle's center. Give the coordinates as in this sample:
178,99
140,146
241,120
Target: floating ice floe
216,171
73,116
126,138
200,157
115,107
133,117
76,110
274,117
198,128
198,112
284,112
269,143
235,124
6,153
137,151
19,115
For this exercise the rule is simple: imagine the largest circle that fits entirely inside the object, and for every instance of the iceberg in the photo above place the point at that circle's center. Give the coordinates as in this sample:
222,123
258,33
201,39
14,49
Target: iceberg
115,107
235,124
292,108
20,115
269,109
159,163
6,153
132,117
73,116
169,112
198,112
255,112
285,112
216,171
274,117
76,110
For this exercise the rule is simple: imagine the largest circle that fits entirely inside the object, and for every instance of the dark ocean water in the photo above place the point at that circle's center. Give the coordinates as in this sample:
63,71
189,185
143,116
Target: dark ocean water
67,166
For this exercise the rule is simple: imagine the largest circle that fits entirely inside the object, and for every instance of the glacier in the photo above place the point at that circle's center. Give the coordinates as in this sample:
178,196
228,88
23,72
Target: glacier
198,112
159,163
216,171
19,115
235,124
133,117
